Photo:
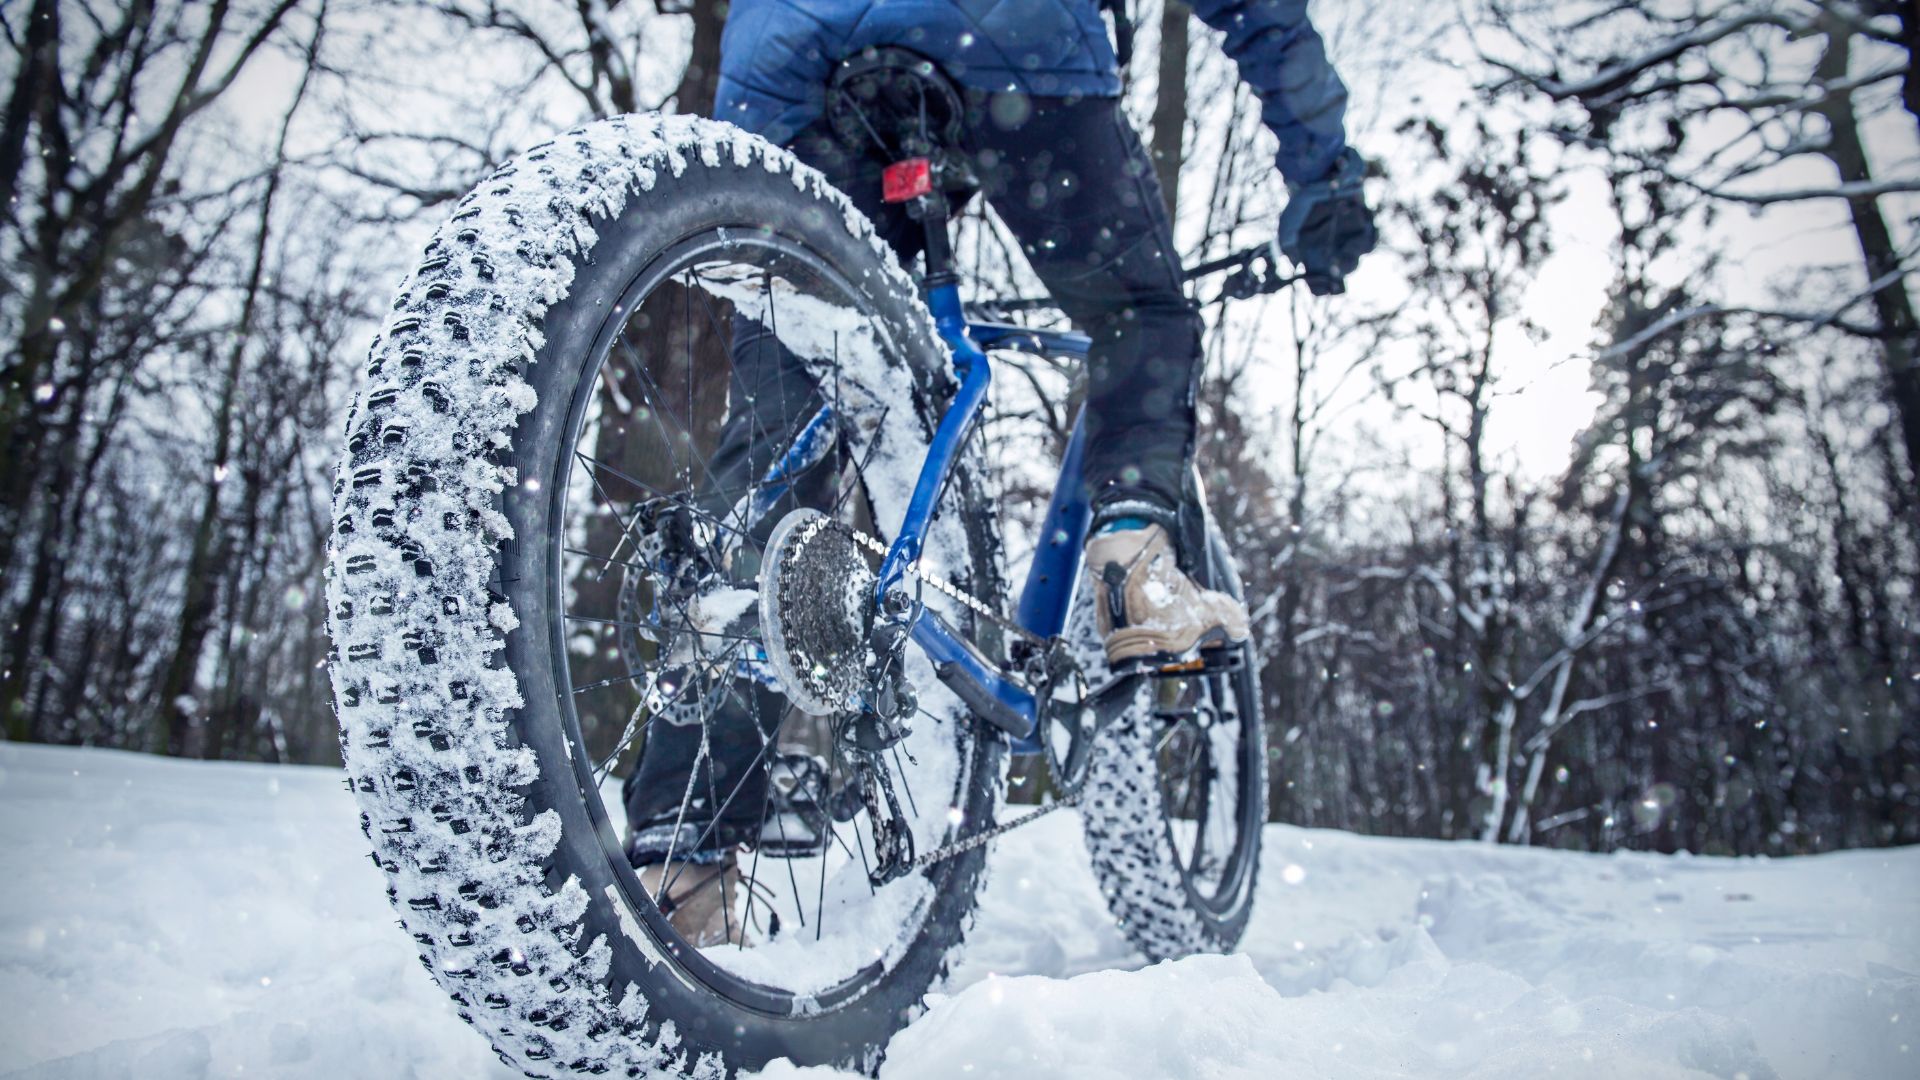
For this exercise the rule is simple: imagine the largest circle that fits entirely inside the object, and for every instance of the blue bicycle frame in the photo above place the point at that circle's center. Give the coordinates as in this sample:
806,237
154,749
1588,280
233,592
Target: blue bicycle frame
1047,598
993,693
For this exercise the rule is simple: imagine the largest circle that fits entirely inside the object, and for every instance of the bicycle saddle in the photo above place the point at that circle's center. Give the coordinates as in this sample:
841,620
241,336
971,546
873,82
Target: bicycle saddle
895,104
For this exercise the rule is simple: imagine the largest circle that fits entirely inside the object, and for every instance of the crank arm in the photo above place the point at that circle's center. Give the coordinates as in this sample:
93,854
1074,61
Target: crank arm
1111,699
993,694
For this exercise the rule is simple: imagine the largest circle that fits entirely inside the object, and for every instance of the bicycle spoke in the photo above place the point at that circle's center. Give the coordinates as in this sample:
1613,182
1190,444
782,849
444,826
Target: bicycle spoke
866,459
782,445
793,878
1161,746
706,719
1203,750
625,624
689,627
722,808
628,735
905,784
693,653
759,831
674,497
866,868
626,527
632,730
636,567
820,905
673,838
760,430
651,392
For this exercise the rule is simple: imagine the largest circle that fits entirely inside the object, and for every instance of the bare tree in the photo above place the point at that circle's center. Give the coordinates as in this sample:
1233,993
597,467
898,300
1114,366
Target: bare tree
1170,101
1712,99
210,547
103,126
101,101
1476,242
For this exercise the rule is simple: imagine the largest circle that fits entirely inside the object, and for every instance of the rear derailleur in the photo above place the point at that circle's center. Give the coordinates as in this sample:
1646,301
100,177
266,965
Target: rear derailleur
879,726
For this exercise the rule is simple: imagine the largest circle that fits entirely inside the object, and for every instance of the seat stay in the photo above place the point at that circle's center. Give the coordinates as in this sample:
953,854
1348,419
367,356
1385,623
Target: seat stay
1047,597
976,375
983,683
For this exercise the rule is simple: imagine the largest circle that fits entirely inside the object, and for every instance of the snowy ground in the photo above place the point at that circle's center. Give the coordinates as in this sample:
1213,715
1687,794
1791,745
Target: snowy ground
162,920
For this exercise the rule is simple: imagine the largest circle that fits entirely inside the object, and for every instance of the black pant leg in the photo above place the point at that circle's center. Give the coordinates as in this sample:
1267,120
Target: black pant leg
1072,181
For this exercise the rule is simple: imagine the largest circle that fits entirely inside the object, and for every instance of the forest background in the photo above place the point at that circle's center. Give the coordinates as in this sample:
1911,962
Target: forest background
1588,518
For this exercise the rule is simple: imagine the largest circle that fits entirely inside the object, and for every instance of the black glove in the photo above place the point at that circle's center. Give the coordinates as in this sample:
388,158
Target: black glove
1327,226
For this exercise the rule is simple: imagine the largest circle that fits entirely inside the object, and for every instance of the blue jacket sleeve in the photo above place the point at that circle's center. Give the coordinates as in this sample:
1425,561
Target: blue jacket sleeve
774,67
1282,58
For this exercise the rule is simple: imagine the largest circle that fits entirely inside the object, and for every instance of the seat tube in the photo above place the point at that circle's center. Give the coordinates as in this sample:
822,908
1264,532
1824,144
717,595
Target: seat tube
975,373
1047,597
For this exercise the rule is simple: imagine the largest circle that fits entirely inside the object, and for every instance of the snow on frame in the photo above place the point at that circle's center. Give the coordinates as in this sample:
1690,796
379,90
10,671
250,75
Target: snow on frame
169,919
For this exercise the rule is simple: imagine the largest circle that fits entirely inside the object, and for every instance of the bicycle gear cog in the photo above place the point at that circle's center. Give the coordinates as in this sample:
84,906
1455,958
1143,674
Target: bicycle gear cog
816,612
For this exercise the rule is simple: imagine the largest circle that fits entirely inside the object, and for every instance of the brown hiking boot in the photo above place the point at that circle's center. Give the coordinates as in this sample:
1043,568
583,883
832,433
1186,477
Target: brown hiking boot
699,900
1148,609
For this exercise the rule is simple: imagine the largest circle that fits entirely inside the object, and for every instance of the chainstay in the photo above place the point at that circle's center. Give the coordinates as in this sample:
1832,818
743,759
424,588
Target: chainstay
943,586
980,608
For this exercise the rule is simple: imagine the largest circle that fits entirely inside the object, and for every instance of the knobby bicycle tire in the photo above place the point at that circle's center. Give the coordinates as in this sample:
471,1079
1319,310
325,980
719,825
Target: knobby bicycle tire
452,707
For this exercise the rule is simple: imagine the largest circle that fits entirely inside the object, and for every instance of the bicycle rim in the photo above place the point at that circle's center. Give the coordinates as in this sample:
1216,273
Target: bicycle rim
836,935
1208,772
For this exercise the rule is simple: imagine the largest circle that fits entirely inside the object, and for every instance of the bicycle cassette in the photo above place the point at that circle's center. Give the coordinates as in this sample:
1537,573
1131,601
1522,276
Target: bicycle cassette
816,612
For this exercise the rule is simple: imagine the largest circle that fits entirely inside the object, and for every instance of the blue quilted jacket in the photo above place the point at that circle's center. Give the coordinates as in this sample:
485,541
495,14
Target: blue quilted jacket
777,57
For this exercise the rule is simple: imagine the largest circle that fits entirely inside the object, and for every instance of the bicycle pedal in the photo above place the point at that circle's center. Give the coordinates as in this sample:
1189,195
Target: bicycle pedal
1216,660
790,835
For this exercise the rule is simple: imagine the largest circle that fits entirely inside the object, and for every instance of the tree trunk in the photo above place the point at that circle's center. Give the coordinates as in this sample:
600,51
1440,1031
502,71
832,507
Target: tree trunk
1883,262
701,79
208,554
38,66
1910,37
1170,103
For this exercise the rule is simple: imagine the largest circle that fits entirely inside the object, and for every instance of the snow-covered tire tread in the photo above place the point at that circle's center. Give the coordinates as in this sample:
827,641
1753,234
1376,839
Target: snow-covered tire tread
1125,826
423,699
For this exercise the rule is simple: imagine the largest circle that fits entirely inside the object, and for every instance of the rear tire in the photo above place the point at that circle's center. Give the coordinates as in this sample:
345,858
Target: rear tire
450,669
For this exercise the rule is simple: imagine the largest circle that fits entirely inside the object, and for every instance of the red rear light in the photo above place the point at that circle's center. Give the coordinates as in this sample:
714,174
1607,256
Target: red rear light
904,180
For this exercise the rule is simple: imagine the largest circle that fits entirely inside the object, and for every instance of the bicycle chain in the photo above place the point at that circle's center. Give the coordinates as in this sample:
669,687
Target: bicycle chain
961,847
945,587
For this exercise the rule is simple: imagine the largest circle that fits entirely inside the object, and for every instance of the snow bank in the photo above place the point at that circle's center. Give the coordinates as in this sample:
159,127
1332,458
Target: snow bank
164,919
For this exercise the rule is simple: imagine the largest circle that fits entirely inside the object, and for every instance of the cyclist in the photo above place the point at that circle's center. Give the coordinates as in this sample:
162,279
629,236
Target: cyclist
1070,178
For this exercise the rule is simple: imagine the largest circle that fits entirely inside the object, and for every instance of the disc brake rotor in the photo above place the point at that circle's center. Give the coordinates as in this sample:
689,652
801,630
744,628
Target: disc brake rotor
816,612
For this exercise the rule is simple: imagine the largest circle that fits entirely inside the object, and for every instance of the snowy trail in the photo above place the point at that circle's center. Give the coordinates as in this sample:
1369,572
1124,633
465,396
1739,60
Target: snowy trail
164,919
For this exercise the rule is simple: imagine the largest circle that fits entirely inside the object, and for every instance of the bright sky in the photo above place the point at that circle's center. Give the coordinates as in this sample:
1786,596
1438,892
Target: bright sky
1375,46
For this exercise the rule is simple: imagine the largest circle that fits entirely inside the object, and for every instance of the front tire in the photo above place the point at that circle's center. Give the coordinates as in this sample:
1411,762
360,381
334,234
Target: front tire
1176,801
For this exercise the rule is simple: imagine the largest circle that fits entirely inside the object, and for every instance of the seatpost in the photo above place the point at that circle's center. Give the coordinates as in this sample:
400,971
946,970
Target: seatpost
912,182
931,209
